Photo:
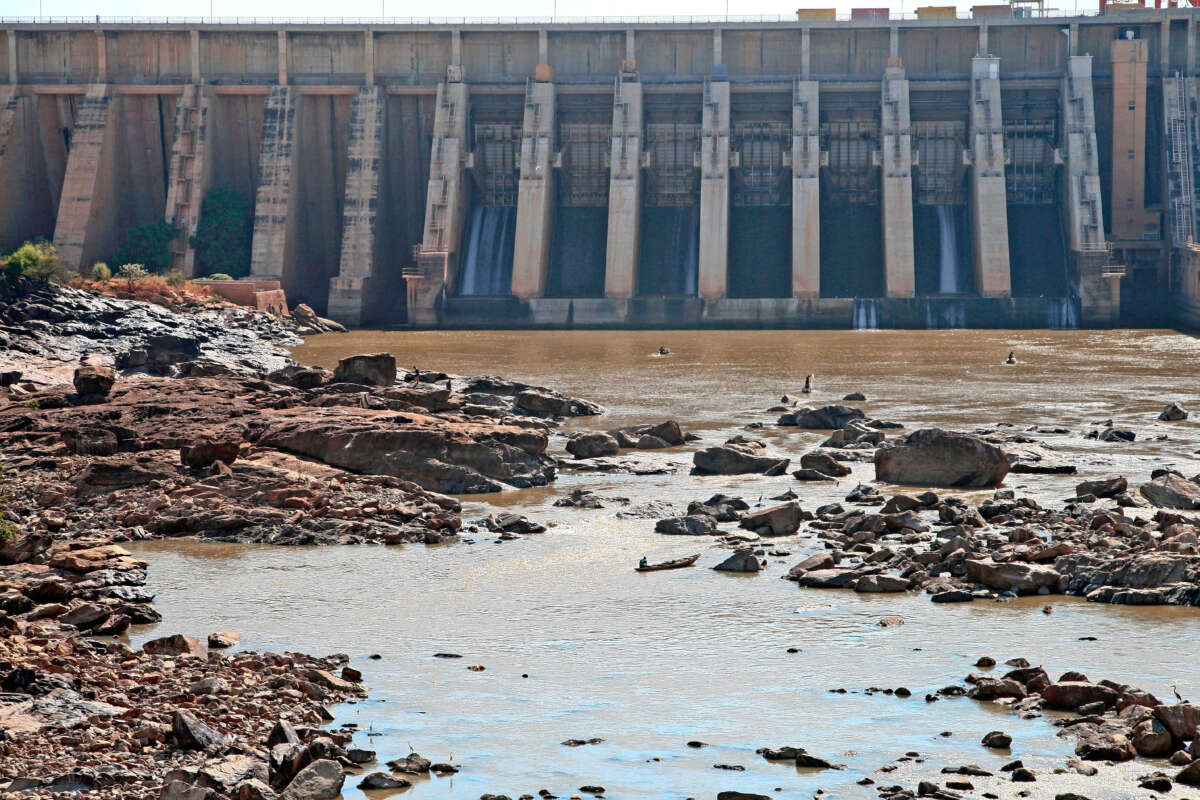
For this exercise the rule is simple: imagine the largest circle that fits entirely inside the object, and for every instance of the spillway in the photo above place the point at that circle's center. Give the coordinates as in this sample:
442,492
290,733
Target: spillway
488,255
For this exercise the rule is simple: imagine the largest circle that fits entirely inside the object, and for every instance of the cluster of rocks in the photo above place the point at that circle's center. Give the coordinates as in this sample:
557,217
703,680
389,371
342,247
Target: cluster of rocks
638,437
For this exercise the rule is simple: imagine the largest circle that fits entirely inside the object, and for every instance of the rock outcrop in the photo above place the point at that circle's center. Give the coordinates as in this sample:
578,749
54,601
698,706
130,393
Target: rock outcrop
933,457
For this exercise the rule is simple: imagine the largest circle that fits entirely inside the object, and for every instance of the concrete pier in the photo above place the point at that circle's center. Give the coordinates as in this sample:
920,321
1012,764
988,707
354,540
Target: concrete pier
188,174
624,189
274,205
535,194
352,291
806,190
899,262
84,232
989,212
714,190
1084,208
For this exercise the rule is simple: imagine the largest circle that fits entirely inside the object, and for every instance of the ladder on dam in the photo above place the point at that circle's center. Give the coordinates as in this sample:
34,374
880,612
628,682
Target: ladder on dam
1180,174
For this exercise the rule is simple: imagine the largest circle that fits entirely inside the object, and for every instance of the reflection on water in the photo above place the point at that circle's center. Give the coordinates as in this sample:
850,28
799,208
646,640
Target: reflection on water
650,661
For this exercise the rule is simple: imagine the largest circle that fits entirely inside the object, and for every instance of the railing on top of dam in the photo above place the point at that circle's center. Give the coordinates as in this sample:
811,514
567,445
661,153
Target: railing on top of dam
679,19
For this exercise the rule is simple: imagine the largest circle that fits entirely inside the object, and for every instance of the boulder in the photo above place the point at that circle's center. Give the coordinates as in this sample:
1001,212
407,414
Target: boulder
690,525
1190,775
377,369
320,780
824,463
780,520
650,442
806,474
1071,695
1014,576
223,639
190,733
85,616
828,578
1106,745
933,457
1102,488
1173,413
1181,719
93,382
741,561
1171,491
1151,739
997,739
813,562
22,547
952,596
176,645
204,454
881,583
825,418
737,459
381,780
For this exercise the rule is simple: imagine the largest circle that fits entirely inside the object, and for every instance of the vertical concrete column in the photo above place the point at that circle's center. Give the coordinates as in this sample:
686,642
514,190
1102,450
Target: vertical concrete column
445,203
897,194
456,48
543,47
13,167
1084,212
195,54
805,54
351,290
270,249
85,219
1128,187
989,201
535,193
983,40
282,56
717,47
624,190
714,190
630,46
1190,47
368,56
14,75
101,58
187,173
806,190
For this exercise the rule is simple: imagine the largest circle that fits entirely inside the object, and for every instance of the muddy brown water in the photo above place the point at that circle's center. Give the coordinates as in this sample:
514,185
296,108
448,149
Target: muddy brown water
650,661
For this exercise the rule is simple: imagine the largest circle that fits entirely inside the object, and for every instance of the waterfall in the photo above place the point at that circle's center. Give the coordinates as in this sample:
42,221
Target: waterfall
1064,314
865,316
948,277
487,258
687,243
945,314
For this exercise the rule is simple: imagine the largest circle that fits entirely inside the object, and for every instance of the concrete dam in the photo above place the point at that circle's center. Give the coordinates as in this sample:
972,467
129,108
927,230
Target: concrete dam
999,170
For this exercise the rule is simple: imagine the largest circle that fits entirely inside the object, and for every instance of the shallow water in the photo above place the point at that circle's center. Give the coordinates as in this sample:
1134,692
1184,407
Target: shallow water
648,662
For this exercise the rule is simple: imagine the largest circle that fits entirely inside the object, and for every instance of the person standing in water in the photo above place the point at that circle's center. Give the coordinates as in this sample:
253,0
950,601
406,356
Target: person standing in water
807,384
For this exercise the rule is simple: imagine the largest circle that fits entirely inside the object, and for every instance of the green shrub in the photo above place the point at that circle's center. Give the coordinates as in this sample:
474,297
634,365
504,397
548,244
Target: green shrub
149,245
222,240
38,260
176,278
101,273
220,276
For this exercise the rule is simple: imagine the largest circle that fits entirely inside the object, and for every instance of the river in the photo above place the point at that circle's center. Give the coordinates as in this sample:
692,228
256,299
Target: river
576,645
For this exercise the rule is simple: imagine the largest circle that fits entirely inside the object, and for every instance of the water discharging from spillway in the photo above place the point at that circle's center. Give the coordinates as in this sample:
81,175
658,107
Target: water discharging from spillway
948,277
488,254
668,263
1064,315
866,314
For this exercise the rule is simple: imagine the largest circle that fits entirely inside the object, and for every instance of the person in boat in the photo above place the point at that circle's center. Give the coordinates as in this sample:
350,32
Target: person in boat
1011,358
664,351
807,384
643,563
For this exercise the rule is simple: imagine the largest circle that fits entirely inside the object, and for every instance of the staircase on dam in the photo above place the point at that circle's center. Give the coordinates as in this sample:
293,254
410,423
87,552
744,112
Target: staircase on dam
1180,114
186,174
270,246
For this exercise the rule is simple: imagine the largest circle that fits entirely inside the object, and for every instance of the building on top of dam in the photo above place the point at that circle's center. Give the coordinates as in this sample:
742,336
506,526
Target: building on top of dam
1003,169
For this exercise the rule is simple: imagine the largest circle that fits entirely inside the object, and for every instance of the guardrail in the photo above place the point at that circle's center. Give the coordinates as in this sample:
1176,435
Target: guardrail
841,16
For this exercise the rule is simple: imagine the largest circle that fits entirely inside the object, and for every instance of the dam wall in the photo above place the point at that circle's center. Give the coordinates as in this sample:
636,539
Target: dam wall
992,171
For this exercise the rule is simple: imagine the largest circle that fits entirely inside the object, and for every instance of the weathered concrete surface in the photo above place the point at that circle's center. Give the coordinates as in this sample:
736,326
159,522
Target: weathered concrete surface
350,291
86,213
714,191
989,211
806,190
274,204
535,193
624,191
899,262
188,173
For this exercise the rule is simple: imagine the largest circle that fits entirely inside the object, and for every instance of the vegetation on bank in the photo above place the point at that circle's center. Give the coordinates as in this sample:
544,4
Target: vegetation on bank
223,237
148,245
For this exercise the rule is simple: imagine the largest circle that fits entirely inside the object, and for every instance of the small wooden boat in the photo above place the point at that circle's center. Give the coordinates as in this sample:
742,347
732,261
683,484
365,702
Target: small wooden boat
678,563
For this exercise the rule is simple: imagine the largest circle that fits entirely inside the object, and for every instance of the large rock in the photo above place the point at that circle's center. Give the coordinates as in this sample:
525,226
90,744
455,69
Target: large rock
1173,413
1110,487
176,645
545,403
933,457
377,369
1190,775
1152,739
93,382
825,418
22,547
825,464
1171,491
206,453
737,459
593,445
741,561
1181,719
1071,695
190,733
320,780
780,520
869,584
690,525
1106,745
1014,577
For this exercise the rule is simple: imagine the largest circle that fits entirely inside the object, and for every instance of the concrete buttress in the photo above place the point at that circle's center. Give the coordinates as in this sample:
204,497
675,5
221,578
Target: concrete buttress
535,195
806,190
445,204
188,173
624,190
899,263
989,208
86,215
714,190
271,247
352,290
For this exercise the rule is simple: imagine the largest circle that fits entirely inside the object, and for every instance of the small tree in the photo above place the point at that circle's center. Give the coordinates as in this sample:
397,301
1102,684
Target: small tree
101,273
149,245
38,260
132,273
223,237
